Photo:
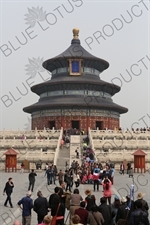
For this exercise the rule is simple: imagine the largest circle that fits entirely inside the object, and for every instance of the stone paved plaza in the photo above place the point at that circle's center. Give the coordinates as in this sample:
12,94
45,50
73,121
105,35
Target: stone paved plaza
8,215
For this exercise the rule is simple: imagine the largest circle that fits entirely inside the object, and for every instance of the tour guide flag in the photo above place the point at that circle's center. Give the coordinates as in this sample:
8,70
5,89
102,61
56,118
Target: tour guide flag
131,196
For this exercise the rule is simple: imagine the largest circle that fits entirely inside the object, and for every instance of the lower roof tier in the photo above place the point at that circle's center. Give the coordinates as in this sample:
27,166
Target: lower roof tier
72,102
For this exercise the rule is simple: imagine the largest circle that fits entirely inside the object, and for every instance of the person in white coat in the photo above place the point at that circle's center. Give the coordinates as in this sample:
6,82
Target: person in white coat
76,179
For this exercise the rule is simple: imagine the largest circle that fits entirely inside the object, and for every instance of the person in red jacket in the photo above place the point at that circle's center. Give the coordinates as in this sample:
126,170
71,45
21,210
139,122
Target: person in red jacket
107,193
82,213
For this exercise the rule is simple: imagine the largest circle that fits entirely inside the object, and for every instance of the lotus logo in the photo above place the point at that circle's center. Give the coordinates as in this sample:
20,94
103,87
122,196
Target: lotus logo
34,67
35,15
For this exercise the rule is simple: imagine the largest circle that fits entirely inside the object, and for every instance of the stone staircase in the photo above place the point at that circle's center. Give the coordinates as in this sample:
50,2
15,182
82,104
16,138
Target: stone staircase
75,141
68,154
63,157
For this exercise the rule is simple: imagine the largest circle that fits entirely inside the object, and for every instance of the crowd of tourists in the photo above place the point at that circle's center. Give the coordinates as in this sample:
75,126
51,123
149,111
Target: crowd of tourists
82,210
66,205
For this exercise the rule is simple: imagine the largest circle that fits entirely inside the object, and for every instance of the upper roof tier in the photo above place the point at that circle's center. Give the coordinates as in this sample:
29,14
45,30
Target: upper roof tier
75,51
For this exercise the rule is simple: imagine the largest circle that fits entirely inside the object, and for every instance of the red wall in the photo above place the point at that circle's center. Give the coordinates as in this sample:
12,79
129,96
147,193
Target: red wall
65,122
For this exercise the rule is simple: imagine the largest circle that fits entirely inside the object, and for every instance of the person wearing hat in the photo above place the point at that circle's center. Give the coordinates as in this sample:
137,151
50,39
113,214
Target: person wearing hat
40,207
145,206
26,204
90,199
122,213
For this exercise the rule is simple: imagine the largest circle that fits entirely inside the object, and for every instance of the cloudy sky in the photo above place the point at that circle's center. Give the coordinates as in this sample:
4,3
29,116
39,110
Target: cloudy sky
33,31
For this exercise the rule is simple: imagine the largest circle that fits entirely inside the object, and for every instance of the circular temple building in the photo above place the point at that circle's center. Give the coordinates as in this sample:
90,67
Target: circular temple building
75,97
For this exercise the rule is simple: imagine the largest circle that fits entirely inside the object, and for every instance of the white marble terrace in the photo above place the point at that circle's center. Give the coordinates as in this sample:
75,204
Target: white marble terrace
33,145
118,146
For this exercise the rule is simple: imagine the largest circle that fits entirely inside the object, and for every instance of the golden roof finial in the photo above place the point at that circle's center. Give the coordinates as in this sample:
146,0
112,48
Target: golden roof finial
75,33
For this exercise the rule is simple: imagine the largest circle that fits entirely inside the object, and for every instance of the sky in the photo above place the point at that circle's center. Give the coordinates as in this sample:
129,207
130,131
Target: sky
34,31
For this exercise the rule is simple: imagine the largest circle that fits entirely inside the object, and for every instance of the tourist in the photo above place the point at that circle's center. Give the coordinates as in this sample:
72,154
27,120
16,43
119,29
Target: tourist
67,141
123,211
66,166
95,217
145,206
22,168
31,178
96,176
54,173
77,153
54,198
107,193
82,213
46,168
47,220
40,207
8,189
90,199
69,179
122,168
114,208
76,220
50,175
76,179
62,194
26,204
61,143
60,177
58,209
130,172
75,200
86,140
105,210
130,204
17,222
112,174
128,167
138,216
22,138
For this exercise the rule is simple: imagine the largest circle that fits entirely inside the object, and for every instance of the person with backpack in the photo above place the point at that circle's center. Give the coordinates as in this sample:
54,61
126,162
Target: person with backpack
90,199
138,216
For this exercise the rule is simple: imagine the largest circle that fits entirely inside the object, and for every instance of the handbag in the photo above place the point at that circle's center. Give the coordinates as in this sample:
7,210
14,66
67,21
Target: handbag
53,222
